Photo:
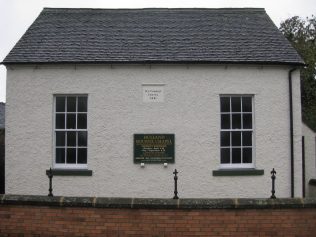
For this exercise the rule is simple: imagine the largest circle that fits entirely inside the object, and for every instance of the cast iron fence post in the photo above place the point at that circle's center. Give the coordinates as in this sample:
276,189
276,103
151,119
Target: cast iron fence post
175,184
50,176
273,173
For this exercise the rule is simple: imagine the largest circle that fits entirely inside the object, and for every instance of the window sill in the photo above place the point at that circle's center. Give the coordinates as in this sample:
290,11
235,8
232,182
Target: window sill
70,172
237,172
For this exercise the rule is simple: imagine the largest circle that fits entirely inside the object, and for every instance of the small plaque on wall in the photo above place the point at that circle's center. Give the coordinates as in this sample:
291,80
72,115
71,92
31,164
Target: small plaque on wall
154,148
153,93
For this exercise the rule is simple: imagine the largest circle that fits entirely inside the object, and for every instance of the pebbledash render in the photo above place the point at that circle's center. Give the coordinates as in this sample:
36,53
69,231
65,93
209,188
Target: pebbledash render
82,83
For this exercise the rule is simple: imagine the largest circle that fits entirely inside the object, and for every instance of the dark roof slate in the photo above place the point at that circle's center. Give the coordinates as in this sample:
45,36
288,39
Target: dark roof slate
245,35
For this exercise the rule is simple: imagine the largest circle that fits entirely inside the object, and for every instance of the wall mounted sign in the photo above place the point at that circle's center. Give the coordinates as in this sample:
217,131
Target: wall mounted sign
153,93
153,148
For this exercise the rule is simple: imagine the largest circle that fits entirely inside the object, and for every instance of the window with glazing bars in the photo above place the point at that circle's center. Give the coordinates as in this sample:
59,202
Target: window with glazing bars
236,138
71,135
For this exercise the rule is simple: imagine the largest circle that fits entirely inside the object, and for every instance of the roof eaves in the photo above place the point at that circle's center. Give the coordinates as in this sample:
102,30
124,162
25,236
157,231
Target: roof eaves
157,62
307,125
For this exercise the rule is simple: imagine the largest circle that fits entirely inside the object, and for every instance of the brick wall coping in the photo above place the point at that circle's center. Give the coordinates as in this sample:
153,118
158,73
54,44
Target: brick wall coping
157,203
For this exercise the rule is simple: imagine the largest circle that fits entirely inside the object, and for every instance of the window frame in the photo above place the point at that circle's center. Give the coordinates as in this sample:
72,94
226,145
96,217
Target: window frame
238,165
69,166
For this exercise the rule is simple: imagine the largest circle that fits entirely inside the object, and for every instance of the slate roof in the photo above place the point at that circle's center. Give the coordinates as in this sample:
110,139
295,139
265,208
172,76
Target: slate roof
2,114
227,35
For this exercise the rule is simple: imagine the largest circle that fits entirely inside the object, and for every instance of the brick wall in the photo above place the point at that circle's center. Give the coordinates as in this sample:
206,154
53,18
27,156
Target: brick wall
17,219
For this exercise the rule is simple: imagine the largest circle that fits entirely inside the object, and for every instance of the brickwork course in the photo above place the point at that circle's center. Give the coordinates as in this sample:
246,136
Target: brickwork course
62,216
47,221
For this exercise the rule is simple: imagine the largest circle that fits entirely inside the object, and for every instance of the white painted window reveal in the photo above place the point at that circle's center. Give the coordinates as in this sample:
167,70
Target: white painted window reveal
236,135
70,131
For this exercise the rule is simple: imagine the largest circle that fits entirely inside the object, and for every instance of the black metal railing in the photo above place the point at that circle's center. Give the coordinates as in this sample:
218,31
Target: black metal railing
50,177
175,184
273,177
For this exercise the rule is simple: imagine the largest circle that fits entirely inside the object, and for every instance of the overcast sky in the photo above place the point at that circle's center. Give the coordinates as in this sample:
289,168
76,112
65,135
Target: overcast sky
17,15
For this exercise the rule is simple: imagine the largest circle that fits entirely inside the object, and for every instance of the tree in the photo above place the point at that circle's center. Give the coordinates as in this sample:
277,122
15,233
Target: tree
302,35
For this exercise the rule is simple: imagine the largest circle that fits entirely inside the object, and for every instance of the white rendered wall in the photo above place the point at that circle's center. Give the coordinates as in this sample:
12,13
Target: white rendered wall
310,157
116,111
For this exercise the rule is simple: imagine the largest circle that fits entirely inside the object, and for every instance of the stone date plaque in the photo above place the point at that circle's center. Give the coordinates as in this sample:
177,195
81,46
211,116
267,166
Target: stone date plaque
153,148
153,93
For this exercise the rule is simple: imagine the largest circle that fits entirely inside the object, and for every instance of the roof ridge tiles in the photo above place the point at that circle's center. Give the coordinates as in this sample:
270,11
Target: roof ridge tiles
159,8
178,10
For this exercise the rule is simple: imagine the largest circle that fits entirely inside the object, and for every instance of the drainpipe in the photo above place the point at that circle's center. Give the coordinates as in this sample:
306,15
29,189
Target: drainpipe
291,131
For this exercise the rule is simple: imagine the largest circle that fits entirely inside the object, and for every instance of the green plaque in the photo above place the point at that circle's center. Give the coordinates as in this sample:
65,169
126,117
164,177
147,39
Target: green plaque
154,148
